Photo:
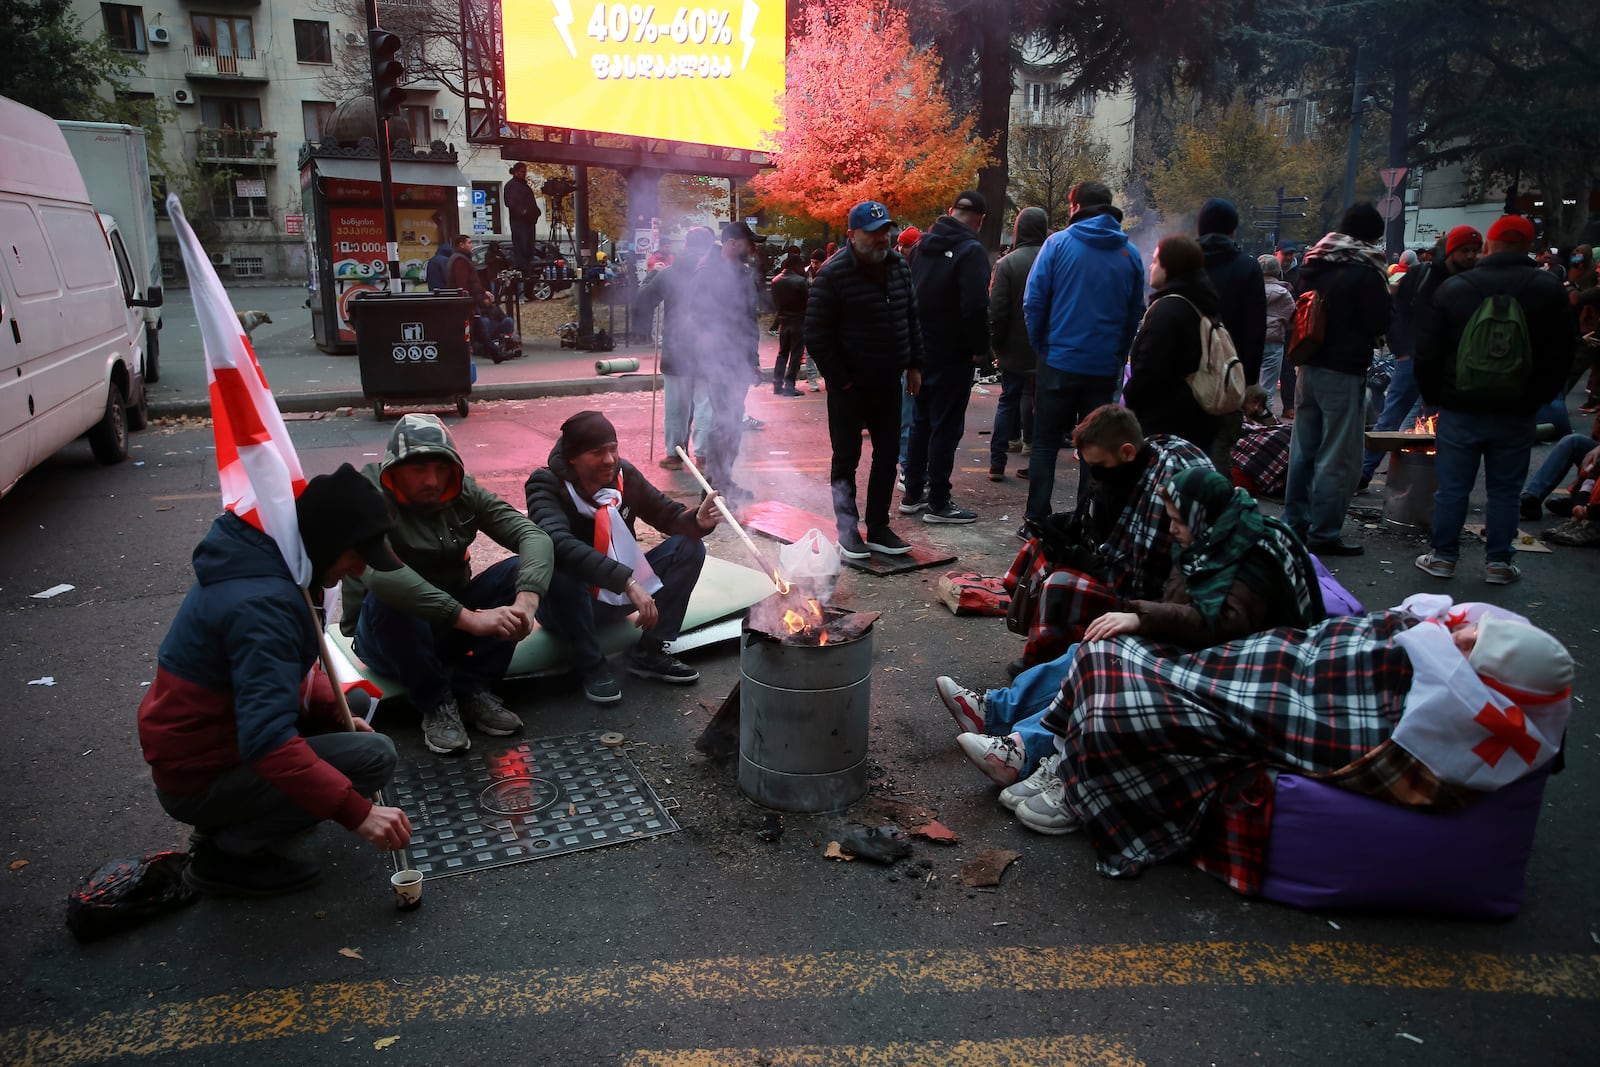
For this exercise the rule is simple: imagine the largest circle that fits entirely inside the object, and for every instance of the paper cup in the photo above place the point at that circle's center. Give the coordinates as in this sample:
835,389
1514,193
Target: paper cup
407,889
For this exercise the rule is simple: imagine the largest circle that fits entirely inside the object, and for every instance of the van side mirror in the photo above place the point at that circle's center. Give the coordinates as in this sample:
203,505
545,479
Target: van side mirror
152,299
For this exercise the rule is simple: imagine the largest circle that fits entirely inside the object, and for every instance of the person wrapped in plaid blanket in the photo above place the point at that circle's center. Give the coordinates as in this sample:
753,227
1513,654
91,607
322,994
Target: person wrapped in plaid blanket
1150,742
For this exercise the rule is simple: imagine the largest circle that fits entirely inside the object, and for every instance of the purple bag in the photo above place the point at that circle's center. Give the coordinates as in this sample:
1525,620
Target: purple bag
1335,598
1329,848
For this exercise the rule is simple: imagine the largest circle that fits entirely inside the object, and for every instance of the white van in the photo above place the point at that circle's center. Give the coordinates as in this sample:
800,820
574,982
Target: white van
70,326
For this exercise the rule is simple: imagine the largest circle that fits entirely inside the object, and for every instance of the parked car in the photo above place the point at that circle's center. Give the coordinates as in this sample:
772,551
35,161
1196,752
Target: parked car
549,274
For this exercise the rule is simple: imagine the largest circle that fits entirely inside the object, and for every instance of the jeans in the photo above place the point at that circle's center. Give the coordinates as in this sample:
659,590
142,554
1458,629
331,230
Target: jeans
936,430
244,813
1060,401
1504,443
872,407
726,391
686,395
791,352
1324,452
570,611
434,662
1271,368
1020,709
1555,414
908,412
1007,416
1568,453
1288,382
1397,404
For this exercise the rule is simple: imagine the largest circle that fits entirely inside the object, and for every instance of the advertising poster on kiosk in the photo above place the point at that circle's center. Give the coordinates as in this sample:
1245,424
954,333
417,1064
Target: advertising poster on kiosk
360,261
704,75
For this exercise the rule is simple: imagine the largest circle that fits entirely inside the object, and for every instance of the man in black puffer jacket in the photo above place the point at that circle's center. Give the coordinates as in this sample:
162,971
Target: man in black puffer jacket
601,574
1348,268
1242,300
863,331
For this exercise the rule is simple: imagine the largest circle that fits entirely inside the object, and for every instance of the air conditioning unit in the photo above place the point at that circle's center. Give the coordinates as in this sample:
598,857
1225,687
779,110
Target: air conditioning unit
441,115
160,35
221,259
182,97
352,39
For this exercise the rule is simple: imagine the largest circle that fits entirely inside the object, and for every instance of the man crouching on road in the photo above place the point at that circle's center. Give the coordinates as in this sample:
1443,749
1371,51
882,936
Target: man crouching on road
587,500
230,727
443,634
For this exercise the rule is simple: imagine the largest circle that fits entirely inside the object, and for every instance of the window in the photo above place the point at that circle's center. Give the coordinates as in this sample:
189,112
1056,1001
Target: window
230,112
241,193
224,35
311,42
1037,95
418,122
315,114
249,267
125,26
1083,104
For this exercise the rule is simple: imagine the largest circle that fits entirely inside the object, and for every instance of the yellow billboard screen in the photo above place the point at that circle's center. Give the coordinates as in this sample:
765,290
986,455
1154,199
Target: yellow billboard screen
703,75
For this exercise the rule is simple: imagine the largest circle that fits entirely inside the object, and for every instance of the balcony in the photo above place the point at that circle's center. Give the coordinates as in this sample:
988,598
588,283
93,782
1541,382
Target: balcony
228,145
205,63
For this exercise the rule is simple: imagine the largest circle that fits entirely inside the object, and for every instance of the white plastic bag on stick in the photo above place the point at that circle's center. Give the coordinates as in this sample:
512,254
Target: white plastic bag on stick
811,562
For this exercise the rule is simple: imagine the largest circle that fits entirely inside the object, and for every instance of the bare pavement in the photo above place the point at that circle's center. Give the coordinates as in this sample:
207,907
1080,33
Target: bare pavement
710,946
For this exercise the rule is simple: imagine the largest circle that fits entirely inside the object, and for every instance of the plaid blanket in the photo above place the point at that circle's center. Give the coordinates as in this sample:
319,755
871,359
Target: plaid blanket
1151,739
1261,455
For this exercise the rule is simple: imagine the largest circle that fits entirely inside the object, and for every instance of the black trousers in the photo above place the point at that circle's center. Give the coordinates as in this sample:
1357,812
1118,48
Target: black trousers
936,427
791,353
874,407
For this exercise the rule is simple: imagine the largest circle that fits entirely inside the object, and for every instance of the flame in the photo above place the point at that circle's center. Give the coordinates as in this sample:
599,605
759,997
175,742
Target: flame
1425,424
793,621
782,586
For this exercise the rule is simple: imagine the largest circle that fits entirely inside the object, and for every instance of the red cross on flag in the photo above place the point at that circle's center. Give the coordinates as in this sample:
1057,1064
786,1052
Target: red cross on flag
256,461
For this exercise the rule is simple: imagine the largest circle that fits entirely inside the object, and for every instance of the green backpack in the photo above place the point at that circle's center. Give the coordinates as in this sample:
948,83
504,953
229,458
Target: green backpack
1495,355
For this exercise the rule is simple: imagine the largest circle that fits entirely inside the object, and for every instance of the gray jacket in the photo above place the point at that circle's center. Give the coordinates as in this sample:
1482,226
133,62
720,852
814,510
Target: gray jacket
1008,331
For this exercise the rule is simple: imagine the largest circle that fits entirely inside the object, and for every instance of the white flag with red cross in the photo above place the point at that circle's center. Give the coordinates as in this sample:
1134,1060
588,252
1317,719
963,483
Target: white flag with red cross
256,461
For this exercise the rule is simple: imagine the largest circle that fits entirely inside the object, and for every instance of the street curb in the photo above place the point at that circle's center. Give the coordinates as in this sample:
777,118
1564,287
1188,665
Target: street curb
328,401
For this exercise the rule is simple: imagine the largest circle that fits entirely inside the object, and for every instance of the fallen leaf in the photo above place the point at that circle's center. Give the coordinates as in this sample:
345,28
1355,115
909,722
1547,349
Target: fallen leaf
17,865
834,852
352,953
987,868
572,809
934,830
385,1042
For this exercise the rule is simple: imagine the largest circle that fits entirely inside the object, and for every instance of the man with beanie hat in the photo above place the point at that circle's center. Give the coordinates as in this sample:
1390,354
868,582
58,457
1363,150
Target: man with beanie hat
588,499
1242,306
1458,253
1348,271
244,744
443,633
1488,375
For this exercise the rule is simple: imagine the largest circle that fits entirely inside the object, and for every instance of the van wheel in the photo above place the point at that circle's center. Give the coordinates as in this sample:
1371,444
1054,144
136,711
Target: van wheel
139,414
109,438
461,406
377,410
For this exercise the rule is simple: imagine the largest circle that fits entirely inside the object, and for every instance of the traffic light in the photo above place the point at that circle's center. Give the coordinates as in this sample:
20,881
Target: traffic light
387,95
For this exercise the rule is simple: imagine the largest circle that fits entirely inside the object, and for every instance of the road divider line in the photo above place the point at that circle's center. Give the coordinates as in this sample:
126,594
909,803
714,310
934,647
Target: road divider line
1061,1050
299,1011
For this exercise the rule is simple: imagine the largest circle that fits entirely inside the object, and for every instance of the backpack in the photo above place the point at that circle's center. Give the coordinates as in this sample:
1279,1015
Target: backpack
1309,328
124,893
1495,355
1218,383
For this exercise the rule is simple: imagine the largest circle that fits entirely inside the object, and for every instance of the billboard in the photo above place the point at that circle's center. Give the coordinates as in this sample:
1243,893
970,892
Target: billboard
702,75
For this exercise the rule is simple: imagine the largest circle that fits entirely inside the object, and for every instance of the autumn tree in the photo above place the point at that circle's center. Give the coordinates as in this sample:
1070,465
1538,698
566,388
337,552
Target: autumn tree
865,118
62,64
1048,159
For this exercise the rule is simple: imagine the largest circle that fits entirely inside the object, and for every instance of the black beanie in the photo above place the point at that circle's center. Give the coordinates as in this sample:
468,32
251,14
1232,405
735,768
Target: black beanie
1216,216
341,511
1363,222
586,430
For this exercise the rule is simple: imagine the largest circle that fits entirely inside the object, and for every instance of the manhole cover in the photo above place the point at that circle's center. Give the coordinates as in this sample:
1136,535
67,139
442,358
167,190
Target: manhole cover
519,796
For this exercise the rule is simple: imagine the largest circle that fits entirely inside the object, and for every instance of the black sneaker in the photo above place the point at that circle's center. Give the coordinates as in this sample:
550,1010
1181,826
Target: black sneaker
950,515
852,547
1559,505
1532,507
915,500
265,874
651,660
882,539
600,685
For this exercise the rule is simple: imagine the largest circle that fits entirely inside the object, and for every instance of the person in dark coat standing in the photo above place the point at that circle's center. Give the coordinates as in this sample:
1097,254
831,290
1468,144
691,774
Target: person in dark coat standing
951,274
687,400
437,272
1166,349
1241,303
790,290
1008,333
523,208
726,355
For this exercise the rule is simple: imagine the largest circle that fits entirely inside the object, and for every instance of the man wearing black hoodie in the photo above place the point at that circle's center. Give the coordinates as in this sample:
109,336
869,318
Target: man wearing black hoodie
1242,304
1008,332
951,275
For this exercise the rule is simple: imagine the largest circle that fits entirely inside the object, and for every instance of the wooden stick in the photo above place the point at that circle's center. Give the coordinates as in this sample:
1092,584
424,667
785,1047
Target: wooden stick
727,513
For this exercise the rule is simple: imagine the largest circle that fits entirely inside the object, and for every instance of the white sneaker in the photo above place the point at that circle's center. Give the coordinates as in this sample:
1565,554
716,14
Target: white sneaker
1001,758
965,706
1037,782
1047,812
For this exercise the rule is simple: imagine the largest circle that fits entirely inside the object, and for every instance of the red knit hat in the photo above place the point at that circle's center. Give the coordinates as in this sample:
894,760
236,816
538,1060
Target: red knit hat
909,236
1459,236
1513,228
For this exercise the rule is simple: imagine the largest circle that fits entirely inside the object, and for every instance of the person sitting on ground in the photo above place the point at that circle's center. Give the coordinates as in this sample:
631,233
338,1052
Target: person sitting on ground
588,499
1156,749
1574,450
1166,350
497,329
1236,572
241,743
444,634
1260,459
1581,504
1256,407
1125,517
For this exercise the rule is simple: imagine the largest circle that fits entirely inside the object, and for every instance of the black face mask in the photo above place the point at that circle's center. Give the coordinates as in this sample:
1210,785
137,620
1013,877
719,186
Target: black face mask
1119,479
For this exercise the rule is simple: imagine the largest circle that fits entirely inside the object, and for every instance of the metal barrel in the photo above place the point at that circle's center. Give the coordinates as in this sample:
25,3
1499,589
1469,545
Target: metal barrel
1408,495
803,717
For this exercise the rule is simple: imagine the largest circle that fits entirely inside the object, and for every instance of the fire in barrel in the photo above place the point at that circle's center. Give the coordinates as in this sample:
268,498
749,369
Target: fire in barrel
1412,478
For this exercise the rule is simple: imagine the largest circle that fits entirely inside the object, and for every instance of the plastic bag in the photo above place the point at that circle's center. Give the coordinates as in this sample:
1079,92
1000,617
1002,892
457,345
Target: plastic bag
813,560
126,892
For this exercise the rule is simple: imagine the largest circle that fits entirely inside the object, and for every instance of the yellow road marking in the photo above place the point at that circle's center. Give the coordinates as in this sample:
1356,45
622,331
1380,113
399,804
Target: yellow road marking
1075,1050
299,1011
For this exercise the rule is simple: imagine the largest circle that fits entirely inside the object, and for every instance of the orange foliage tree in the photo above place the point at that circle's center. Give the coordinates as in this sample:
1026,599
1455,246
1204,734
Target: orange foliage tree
866,118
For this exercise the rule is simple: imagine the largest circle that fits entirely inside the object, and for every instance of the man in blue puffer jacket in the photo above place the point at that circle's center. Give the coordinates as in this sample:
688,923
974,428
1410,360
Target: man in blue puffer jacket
1083,303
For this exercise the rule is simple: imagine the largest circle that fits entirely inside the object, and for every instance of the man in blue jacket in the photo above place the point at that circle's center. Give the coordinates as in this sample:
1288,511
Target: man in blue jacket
1083,303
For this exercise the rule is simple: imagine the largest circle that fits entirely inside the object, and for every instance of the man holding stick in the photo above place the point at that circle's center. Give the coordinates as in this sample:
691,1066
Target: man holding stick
588,499
242,744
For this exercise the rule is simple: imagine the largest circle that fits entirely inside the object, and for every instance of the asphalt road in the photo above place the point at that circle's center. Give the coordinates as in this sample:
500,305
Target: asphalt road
710,946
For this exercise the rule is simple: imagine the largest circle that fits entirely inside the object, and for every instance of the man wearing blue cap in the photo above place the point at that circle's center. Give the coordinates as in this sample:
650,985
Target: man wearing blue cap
863,331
